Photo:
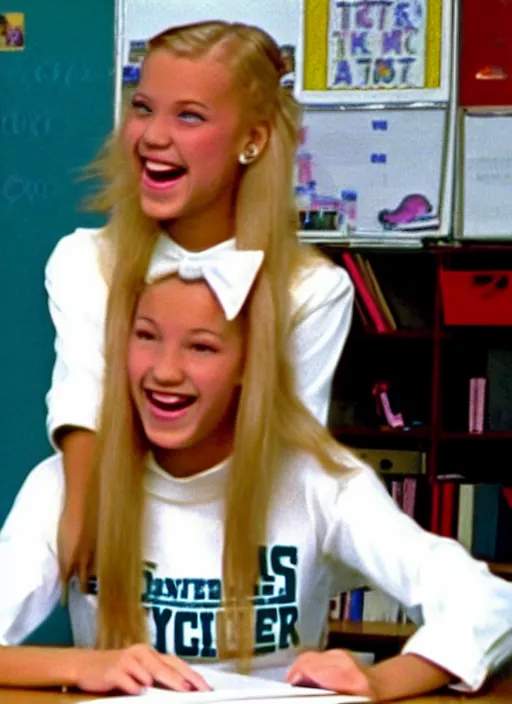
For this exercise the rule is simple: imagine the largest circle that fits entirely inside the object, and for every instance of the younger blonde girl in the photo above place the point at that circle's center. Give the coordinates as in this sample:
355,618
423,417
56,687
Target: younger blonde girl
235,558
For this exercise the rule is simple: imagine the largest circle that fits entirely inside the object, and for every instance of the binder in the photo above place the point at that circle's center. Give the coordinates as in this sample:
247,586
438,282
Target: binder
492,529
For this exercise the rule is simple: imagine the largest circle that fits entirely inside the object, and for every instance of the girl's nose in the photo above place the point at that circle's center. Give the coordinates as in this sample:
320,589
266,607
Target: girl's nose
168,369
157,133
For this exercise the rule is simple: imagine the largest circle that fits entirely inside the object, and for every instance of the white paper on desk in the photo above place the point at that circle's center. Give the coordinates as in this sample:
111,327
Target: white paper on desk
231,687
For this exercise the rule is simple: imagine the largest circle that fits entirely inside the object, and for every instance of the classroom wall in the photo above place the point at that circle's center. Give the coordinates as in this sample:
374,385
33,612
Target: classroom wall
56,107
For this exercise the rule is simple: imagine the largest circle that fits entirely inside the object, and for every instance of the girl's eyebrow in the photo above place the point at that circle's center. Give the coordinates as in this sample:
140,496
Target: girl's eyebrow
208,331
180,103
192,102
144,318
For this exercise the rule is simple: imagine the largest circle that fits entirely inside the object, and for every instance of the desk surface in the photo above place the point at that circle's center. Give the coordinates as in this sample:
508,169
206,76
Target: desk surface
500,691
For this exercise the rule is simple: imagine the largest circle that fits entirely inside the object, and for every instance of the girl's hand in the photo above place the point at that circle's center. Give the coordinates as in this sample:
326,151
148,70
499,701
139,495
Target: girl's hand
332,669
132,669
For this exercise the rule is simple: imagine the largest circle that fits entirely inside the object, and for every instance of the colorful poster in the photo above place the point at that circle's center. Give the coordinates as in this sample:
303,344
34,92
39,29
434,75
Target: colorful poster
375,45
12,31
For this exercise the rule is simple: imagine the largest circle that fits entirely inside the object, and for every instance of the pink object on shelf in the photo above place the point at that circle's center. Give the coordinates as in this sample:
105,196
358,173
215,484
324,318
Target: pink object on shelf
477,389
304,168
380,391
409,496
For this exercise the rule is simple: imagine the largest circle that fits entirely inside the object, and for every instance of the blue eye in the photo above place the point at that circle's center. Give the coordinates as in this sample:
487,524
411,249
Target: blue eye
190,116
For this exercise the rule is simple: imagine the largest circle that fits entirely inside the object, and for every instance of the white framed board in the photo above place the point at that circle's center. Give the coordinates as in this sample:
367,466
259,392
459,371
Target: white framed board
389,159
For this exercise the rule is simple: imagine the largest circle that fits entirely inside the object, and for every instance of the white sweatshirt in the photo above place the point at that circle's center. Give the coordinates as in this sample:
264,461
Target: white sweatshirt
326,534
77,294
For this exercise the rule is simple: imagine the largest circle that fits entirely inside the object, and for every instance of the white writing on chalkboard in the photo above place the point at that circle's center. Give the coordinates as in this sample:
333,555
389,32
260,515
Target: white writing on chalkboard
58,74
16,124
68,74
16,189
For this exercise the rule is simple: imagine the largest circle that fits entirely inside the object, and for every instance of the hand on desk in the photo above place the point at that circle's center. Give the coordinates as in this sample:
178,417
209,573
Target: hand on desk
401,676
132,669
335,669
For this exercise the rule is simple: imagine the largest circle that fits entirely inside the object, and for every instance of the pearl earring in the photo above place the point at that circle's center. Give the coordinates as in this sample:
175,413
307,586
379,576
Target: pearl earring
249,155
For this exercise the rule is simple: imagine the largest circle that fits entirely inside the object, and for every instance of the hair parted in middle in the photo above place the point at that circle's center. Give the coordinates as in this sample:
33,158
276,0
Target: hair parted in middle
271,420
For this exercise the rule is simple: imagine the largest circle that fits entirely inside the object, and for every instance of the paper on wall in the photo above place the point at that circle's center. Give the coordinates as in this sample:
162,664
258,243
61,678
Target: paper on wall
487,175
391,159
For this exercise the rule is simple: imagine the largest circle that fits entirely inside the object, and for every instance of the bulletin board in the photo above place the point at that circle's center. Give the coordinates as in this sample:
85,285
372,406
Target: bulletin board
375,80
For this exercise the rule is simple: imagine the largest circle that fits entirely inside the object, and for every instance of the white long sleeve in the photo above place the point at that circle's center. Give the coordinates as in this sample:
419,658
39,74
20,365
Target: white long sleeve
466,612
30,586
325,294
320,525
77,299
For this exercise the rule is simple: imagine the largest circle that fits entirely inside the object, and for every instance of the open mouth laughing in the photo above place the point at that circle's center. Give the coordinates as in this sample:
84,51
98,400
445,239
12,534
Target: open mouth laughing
159,174
168,405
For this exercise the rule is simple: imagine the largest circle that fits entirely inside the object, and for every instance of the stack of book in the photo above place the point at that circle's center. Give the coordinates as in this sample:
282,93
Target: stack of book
370,302
366,604
478,515
403,472
403,304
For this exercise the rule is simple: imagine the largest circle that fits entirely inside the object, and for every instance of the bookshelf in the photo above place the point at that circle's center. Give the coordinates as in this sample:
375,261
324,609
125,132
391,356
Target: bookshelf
427,365
436,359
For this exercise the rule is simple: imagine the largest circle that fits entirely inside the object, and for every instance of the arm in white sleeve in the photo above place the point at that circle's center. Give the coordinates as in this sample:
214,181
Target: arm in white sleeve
466,612
30,584
77,296
323,299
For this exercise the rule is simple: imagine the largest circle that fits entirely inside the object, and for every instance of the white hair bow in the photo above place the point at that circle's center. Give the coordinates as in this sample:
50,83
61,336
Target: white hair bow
229,272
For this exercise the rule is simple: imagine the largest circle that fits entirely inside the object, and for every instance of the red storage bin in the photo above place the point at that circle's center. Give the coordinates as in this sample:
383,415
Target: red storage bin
476,297
486,53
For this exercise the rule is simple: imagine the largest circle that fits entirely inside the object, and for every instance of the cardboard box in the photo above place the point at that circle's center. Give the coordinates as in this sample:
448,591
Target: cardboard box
394,461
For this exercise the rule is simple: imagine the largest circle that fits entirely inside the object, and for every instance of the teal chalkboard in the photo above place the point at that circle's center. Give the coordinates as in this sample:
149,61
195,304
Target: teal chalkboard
56,107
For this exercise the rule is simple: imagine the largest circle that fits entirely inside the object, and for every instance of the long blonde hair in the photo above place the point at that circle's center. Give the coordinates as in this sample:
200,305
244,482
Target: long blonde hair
270,419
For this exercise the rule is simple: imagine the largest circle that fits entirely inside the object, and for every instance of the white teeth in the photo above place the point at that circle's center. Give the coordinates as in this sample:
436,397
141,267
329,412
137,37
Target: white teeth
166,398
159,166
